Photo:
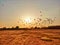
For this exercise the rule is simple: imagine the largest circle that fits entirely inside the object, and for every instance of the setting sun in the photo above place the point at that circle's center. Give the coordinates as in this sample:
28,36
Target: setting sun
28,20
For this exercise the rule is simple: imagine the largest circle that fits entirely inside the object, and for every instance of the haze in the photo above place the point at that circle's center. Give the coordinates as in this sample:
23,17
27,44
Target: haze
12,10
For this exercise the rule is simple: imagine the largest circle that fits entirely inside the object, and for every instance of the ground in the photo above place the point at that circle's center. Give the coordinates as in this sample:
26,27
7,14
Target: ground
30,37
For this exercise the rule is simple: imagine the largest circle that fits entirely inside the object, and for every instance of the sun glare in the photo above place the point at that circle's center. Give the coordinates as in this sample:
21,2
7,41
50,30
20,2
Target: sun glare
28,20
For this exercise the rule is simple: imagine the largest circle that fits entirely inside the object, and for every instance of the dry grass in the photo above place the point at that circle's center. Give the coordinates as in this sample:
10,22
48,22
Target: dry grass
30,37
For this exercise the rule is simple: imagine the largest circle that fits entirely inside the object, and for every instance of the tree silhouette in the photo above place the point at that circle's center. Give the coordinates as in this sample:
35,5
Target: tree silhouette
4,28
17,27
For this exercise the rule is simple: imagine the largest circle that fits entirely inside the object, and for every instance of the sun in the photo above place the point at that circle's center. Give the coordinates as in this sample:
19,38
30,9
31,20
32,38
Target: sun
28,20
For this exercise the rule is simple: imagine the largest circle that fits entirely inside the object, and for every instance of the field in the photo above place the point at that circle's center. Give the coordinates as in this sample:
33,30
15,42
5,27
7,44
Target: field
30,37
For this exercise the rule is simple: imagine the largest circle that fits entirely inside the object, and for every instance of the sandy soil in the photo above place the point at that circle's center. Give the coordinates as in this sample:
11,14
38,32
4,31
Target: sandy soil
30,37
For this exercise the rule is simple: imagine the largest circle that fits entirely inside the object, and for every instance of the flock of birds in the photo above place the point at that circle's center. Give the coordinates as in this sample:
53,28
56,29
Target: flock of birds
39,21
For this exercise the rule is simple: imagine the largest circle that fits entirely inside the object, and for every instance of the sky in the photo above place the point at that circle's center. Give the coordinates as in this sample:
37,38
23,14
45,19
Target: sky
12,10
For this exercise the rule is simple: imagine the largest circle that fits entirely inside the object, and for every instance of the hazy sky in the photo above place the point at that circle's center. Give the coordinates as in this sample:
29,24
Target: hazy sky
12,10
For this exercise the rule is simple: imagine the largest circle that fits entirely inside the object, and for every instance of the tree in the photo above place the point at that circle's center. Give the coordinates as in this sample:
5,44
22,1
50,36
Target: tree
17,27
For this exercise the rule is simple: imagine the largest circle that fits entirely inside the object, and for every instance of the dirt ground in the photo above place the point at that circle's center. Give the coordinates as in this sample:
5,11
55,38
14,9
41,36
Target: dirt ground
30,37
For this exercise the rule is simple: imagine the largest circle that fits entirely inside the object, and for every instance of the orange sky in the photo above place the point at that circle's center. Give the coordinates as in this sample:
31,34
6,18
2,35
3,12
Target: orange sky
11,11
